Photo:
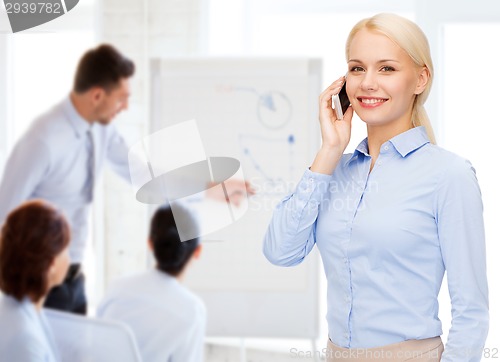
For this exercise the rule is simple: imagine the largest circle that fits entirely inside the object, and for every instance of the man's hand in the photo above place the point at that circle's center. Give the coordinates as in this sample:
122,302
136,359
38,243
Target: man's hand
232,190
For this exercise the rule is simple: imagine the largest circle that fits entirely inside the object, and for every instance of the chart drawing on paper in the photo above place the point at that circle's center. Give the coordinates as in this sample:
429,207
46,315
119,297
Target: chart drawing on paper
262,112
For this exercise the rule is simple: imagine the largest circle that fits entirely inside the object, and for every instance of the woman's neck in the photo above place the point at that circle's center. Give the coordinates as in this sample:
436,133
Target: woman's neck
378,135
39,304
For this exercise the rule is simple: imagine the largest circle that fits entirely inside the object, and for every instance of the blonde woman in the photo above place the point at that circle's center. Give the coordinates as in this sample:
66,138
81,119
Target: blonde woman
392,217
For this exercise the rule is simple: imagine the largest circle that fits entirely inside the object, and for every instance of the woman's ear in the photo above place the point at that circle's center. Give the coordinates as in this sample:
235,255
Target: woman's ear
423,78
150,245
52,270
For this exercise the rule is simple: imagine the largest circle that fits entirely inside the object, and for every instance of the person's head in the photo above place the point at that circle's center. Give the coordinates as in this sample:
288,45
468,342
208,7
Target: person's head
390,71
102,75
33,250
171,254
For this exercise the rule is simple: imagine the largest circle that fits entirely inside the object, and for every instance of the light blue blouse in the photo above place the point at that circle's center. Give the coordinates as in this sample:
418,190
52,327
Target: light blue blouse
25,335
386,237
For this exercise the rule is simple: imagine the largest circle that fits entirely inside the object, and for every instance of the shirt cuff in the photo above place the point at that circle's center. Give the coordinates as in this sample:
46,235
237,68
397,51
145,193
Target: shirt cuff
313,186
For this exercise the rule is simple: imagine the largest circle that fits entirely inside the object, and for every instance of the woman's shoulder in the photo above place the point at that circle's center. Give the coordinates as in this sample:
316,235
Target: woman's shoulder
13,312
451,166
23,335
450,160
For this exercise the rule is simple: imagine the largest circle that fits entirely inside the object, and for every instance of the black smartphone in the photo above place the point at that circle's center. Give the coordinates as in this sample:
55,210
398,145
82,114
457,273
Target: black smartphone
341,102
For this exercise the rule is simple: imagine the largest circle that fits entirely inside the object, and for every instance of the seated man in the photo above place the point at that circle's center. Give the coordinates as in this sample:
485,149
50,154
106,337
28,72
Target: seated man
167,319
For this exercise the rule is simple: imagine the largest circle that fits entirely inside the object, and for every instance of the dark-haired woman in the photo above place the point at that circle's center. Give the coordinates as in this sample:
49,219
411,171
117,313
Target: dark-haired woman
167,319
33,259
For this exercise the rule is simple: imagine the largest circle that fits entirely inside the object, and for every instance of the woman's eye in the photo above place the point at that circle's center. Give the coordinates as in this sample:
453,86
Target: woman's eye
356,69
387,69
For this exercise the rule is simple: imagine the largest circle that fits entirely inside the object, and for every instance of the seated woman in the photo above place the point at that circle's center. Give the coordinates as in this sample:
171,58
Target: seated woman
167,319
33,258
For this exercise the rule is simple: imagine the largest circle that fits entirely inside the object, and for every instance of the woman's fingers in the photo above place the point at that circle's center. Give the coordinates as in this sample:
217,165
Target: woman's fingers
334,132
337,82
348,115
333,88
325,98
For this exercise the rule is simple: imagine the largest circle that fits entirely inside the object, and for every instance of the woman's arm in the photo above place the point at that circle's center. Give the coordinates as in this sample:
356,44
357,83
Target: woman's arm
459,213
291,233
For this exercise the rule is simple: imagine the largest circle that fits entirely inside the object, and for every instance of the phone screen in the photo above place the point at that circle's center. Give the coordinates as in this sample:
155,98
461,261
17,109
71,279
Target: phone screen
344,100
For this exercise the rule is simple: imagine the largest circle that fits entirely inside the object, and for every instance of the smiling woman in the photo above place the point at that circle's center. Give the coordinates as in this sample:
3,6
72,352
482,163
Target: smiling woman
383,82
385,255
398,49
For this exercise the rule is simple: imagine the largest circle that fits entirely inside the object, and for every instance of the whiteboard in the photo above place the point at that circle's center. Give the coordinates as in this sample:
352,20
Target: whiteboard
262,112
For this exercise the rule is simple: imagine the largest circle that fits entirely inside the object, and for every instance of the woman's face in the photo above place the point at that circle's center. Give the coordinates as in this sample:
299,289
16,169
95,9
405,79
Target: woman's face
59,268
382,80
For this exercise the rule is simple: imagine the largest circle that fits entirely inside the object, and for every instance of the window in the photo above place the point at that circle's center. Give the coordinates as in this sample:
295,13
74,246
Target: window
36,71
471,123
43,66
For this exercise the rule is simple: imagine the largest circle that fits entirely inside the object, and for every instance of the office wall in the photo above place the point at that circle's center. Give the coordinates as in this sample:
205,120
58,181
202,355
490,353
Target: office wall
3,103
178,28
142,30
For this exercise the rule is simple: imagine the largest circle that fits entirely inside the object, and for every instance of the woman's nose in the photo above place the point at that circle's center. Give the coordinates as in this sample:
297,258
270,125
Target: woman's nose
369,82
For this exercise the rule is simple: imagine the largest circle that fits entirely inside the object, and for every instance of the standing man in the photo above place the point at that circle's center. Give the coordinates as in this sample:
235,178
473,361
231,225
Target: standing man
60,155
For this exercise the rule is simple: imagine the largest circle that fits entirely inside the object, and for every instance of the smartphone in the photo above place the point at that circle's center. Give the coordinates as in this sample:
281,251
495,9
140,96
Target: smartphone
341,102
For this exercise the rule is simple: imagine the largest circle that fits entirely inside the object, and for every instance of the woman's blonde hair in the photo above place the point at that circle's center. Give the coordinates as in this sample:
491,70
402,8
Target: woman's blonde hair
409,37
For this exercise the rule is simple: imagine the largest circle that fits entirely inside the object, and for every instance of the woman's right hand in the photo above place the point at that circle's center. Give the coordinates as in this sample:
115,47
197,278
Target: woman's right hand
335,133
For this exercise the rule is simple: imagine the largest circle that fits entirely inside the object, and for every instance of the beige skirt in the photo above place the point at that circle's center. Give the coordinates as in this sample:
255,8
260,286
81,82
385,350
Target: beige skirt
423,350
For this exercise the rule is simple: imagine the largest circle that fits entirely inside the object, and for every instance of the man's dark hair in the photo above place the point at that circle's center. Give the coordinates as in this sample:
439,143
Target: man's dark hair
103,67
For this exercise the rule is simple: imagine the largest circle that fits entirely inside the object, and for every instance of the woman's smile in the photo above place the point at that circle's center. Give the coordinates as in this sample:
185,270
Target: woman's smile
371,102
